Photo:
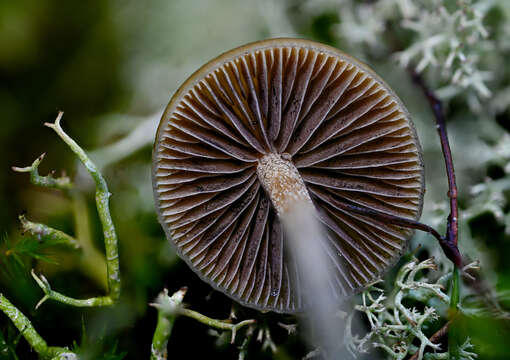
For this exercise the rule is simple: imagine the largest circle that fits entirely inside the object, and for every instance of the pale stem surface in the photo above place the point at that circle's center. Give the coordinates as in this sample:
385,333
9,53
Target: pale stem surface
282,182
306,243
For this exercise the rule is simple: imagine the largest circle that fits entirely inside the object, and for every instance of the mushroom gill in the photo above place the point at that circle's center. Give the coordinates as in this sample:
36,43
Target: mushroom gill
273,121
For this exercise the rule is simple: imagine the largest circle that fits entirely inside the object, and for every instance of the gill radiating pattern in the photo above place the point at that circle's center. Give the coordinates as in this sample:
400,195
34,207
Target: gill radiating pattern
344,130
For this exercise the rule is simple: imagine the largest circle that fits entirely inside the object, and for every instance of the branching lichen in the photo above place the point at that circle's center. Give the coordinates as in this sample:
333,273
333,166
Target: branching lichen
44,232
449,40
394,326
102,203
170,307
61,183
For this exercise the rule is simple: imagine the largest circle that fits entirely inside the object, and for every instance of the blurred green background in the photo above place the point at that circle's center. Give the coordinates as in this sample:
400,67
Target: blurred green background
112,66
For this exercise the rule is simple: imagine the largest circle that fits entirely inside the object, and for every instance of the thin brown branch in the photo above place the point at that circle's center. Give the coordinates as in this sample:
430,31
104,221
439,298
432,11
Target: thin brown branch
435,338
449,243
449,248
392,219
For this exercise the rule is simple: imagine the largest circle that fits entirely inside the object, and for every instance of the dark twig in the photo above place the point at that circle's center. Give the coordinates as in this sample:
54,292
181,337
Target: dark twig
449,242
388,218
450,249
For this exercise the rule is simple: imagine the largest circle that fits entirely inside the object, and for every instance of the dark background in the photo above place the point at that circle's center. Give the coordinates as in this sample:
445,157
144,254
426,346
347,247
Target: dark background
113,66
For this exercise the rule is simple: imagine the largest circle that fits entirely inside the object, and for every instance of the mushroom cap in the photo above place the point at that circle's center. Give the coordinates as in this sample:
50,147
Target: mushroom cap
347,133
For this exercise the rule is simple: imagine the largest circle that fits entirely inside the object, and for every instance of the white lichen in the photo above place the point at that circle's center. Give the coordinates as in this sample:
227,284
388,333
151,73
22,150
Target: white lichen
395,327
449,41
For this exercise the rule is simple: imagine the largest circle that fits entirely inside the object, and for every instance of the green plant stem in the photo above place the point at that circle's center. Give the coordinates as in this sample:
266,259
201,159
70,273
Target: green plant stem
455,296
453,335
26,329
44,232
110,236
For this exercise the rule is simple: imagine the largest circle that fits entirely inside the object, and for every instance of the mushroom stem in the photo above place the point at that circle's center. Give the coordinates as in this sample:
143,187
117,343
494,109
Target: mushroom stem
307,245
282,182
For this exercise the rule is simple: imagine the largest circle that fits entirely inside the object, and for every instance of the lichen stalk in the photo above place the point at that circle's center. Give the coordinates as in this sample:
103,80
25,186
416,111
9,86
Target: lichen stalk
167,313
217,324
110,236
169,308
42,232
61,183
28,331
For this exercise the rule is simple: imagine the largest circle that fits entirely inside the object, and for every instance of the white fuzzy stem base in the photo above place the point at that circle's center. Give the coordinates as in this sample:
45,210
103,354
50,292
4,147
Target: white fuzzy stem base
282,182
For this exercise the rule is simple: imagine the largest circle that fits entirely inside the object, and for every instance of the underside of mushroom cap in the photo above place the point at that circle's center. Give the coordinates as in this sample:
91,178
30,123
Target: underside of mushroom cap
330,116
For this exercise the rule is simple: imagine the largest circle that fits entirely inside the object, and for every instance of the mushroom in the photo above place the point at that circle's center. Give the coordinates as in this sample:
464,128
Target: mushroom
271,124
